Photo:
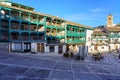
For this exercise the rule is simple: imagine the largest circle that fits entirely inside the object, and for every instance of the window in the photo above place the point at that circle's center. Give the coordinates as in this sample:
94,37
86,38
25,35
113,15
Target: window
109,18
102,47
91,49
51,49
89,39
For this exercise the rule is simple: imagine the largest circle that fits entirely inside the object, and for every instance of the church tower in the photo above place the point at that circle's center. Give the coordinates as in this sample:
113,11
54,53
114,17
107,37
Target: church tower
109,20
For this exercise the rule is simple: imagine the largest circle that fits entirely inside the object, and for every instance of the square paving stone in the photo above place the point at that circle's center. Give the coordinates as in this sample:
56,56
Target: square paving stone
80,68
113,70
2,66
85,76
98,69
109,77
64,66
7,78
28,78
61,75
12,60
37,73
45,64
79,65
27,62
13,71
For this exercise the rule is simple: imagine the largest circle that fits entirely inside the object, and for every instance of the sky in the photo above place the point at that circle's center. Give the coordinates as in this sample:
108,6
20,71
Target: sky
87,12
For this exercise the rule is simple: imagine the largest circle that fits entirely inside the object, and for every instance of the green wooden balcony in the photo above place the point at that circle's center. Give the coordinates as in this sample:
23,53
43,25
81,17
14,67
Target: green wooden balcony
50,26
77,34
75,41
41,22
99,38
114,35
60,36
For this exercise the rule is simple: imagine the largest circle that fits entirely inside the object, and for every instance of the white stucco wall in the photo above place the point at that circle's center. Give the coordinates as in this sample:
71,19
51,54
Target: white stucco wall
113,46
100,48
46,48
16,46
90,49
4,46
103,48
33,47
56,49
6,3
64,48
88,42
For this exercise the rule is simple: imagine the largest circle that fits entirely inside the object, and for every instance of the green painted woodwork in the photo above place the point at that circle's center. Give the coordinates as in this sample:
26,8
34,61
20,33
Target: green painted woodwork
28,18
115,35
75,41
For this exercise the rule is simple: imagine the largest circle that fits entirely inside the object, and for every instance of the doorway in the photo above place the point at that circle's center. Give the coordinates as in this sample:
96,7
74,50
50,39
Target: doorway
40,47
27,47
67,48
60,49
95,47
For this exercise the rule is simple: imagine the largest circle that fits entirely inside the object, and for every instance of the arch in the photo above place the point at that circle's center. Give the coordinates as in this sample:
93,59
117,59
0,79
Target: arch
15,36
33,36
25,36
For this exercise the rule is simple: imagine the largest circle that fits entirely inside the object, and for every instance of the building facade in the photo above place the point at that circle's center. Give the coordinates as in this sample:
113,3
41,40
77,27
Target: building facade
23,29
106,38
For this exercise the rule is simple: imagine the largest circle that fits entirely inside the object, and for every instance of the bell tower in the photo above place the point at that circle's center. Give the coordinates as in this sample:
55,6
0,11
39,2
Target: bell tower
109,20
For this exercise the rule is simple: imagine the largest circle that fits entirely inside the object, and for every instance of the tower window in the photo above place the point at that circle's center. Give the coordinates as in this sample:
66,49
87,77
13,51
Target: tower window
109,18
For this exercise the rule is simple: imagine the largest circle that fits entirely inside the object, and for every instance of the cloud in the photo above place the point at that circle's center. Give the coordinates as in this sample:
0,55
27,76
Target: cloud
84,16
96,10
92,16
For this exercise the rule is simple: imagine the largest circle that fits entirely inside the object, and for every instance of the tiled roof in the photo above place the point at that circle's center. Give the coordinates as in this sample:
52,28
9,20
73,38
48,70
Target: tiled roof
113,28
76,24
69,22
99,33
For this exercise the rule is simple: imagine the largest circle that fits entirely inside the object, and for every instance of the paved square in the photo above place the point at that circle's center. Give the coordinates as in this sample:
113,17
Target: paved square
63,75
13,71
55,67
37,73
85,76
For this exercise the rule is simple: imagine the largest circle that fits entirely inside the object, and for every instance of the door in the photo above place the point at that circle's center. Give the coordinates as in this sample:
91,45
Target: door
27,47
116,47
95,47
38,47
67,48
42,47
60,49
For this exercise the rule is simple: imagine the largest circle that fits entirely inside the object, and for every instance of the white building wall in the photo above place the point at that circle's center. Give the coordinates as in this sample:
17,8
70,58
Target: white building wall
46,48
100,48
16,46
112,47
6,3
88,39
64,48
91,49
4,46
56,49
118,46
103,48
33,47
12,45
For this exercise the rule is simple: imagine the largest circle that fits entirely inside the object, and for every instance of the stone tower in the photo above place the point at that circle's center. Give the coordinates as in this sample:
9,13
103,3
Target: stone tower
109,20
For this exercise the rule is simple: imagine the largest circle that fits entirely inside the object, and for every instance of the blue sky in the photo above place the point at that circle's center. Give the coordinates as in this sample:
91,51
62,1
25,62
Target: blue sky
88,12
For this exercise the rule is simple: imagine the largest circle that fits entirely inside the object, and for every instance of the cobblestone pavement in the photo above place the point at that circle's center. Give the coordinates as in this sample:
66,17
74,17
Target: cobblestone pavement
27,66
